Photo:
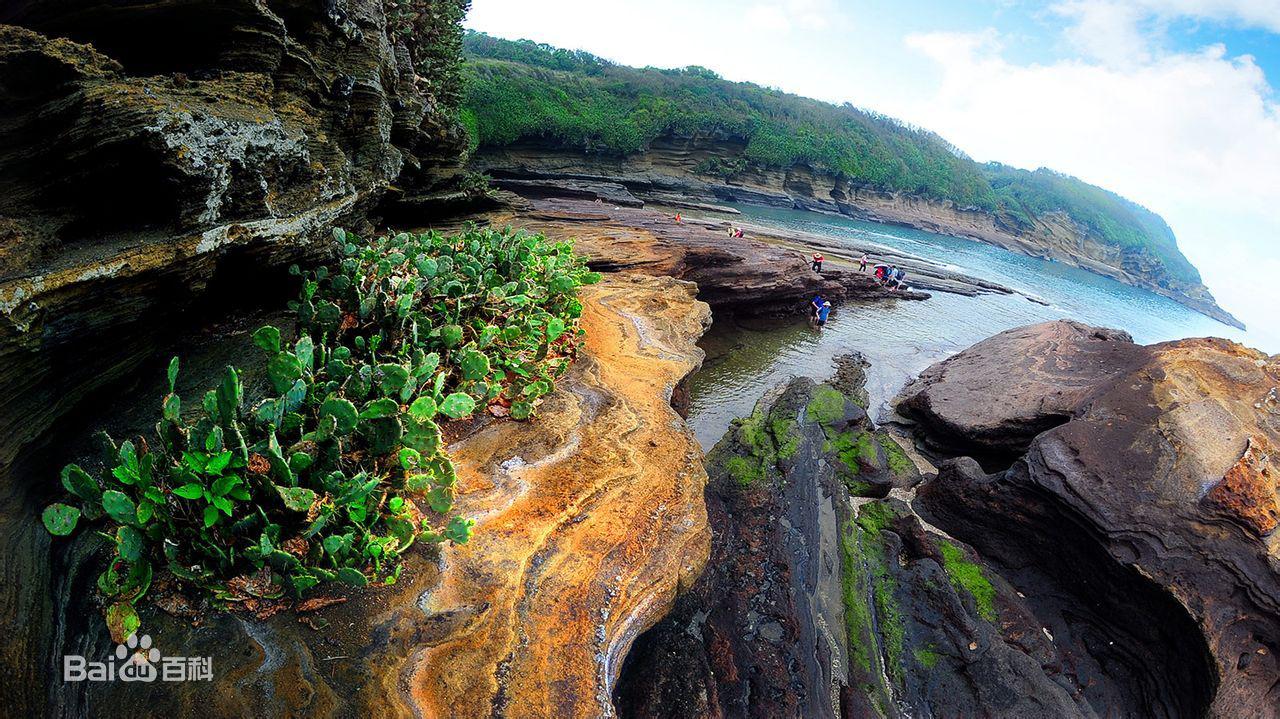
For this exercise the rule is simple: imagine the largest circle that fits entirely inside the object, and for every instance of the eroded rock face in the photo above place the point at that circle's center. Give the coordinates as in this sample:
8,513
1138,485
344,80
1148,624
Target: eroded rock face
819,603
149,146
161,164
588,520
759,634
1153,498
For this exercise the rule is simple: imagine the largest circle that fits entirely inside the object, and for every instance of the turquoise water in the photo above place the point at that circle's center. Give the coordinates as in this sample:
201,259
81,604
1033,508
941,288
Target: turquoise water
901,338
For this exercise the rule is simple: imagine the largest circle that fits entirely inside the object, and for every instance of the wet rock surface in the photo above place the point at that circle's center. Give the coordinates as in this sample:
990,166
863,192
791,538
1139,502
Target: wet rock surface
759,633
588,519
1140,522
162,164
819,603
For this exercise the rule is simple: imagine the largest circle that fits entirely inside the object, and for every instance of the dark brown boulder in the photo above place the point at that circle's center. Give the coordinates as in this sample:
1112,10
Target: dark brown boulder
995,397
1143,523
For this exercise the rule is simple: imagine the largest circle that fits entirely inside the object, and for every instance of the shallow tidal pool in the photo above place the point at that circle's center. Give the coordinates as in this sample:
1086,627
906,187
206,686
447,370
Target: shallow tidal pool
900,338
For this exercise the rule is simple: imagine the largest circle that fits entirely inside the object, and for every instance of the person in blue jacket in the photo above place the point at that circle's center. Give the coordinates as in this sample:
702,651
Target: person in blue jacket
815,306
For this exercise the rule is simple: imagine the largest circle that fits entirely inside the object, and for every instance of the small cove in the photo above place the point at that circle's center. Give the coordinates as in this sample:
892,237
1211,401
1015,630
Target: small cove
900,338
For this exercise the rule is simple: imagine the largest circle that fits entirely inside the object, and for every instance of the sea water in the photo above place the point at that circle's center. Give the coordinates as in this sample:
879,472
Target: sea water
900,338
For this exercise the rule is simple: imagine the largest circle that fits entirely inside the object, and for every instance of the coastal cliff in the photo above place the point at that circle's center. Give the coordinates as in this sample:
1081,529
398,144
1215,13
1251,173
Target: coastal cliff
672,170
1097,536
162,165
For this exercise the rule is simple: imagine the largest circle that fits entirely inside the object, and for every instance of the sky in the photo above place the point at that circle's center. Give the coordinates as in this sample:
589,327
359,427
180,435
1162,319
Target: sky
1171,103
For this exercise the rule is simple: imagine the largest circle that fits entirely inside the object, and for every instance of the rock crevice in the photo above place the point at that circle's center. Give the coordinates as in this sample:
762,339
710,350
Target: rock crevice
1144,517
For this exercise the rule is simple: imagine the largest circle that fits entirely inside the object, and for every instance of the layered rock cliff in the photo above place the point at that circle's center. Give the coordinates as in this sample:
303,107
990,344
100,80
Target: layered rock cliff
158,156
673,170
1139,514
161,164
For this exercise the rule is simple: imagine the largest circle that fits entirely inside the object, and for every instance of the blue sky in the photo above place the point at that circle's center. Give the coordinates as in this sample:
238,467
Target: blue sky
1171,103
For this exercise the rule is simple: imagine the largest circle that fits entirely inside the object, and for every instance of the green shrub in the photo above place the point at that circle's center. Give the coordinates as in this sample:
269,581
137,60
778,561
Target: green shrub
342,467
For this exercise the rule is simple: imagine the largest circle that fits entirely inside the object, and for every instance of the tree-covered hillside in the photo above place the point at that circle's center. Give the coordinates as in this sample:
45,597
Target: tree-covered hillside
521,90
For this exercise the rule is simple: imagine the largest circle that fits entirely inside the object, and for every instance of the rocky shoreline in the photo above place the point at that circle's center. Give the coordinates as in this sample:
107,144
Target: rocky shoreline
1143,493
766,271
1117,557
666,173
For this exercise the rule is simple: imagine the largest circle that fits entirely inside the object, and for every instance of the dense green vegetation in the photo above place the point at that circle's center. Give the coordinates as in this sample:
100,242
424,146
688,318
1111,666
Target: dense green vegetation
1028,195
342,467
525,91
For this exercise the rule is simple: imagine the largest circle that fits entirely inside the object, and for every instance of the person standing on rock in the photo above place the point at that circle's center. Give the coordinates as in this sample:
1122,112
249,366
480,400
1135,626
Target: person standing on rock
862,263
817,262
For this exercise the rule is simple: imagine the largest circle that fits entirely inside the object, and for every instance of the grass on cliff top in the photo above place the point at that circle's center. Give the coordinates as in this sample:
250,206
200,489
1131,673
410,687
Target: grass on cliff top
342,467
525,91
968,577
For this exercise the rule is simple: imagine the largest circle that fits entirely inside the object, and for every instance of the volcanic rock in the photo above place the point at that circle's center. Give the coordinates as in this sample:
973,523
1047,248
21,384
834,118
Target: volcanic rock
995,397
161,165
1141,519
816,603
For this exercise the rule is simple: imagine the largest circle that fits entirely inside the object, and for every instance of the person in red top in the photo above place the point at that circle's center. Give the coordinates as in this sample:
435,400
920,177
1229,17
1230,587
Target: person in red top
817,262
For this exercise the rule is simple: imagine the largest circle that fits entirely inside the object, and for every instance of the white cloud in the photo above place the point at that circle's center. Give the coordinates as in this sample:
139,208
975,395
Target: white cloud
1260,13
787,15
1106,31
1121,32
1194,136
